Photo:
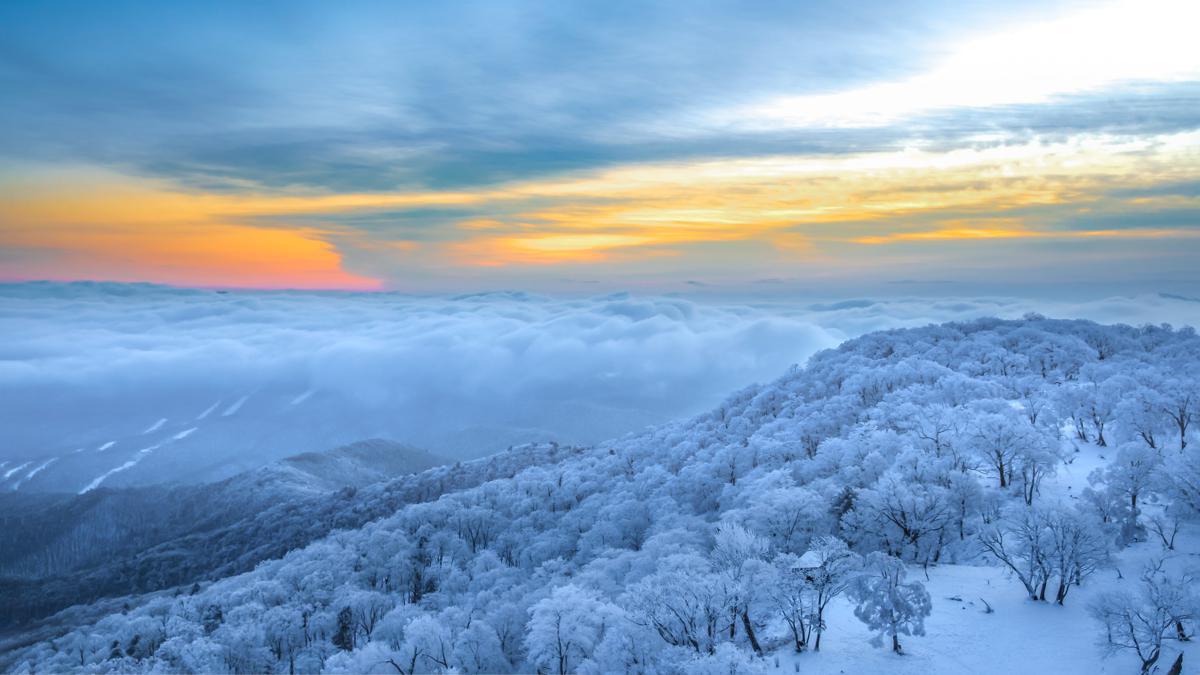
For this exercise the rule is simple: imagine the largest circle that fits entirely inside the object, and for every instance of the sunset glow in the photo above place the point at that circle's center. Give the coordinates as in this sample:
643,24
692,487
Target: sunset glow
964,155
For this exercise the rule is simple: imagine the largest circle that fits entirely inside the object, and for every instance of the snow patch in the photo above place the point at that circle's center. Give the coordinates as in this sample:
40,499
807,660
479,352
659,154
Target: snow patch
208,411
156,426
41,467
10,472
184,434
106,446
303,397
237,405
100,479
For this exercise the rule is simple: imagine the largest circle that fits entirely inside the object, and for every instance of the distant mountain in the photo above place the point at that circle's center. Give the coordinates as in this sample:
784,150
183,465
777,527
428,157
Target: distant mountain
193,437
354,465
66,537
196,440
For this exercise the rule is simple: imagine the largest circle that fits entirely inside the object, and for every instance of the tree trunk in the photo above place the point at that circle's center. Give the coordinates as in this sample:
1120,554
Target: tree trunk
750,632
1149,663
1177,667
896,644
1149,438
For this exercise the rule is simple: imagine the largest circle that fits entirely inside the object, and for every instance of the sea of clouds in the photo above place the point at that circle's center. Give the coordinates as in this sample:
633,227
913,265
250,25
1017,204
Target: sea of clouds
77,356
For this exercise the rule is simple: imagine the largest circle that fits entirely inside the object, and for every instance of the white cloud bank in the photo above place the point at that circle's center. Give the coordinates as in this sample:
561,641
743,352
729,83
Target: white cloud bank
85,359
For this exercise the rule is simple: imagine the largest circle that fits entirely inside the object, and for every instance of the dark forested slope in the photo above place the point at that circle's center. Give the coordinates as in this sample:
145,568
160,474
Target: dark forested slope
57,550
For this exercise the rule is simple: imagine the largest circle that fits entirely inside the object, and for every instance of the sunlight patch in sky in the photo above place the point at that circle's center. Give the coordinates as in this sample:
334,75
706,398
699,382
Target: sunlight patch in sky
1083,51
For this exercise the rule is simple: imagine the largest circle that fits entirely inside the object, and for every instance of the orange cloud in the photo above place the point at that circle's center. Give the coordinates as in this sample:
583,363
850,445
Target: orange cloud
208,255
118,230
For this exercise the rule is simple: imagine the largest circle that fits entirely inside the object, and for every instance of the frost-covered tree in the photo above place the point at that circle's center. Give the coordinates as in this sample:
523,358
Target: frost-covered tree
284,629
477,649
1165,527
1180,398
1035,461
1127,479
1141,416
682,602
566,627
1019,541
427,647
1043,543
838,566
1073,403
807,584
367,608
793,599
1077,548
886,603
1141,622
999,439
744,578
787,516
906,518
1178,481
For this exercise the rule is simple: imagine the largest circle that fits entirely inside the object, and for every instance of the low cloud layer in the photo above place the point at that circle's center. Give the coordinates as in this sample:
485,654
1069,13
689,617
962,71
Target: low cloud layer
444,372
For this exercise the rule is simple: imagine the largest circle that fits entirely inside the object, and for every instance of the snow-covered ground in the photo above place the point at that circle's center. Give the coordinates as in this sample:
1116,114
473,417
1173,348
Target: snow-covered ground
1019,635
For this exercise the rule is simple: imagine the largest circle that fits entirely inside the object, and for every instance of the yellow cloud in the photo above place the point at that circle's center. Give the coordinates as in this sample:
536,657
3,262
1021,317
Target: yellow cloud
966,234
795,204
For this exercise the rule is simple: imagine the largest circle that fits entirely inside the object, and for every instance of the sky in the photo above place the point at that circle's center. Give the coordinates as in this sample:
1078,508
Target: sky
595,146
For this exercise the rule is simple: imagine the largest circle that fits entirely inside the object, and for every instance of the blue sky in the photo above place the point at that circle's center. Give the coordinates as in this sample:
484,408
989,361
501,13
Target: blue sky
448,146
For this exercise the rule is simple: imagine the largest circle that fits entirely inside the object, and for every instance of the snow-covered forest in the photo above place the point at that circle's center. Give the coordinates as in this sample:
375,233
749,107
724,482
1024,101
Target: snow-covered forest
988,496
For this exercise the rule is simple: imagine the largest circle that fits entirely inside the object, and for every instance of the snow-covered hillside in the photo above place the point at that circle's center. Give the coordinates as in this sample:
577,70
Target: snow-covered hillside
988,496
